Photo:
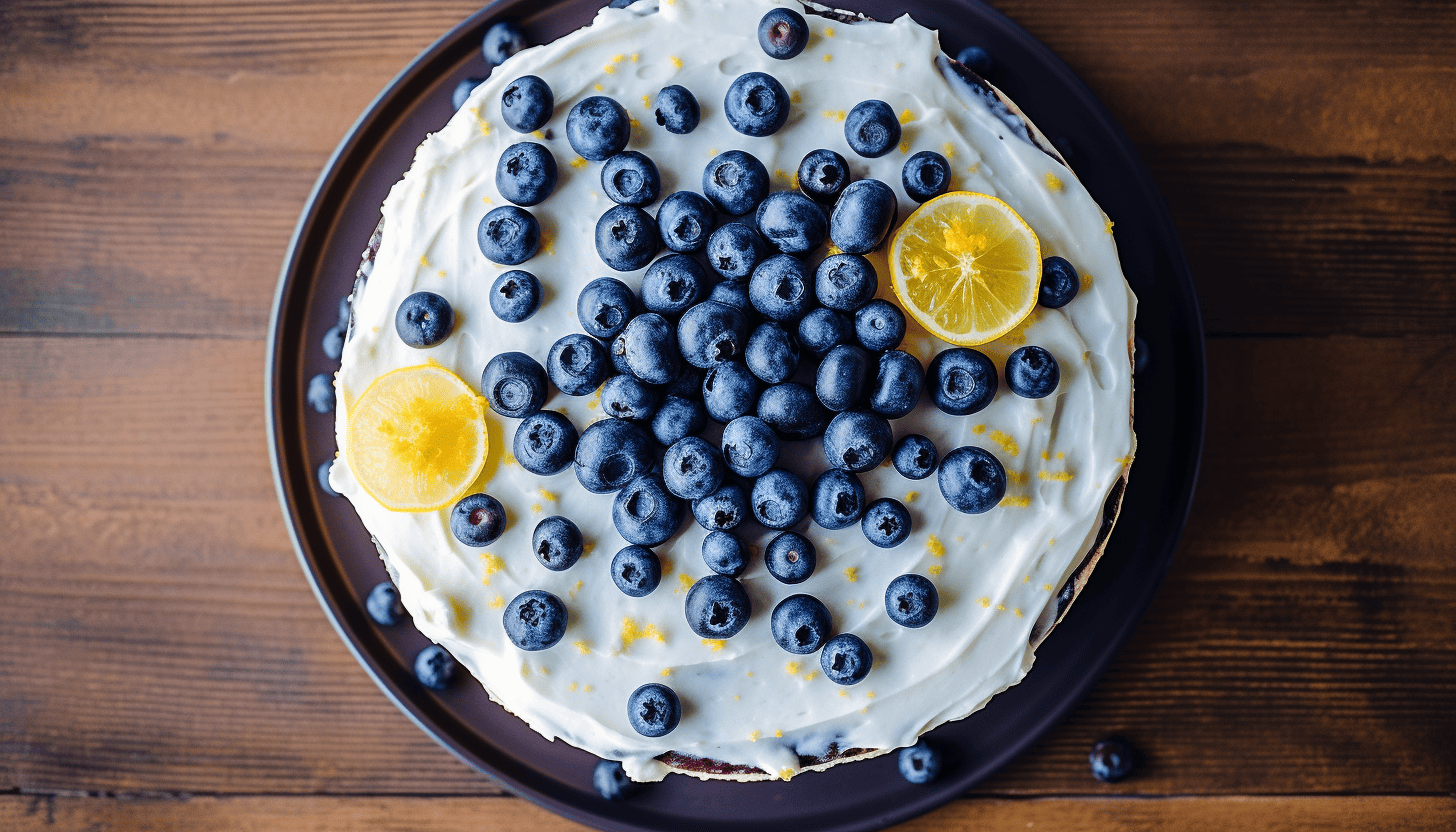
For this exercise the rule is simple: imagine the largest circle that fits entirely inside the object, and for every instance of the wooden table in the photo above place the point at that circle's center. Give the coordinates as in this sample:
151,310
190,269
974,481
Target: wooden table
163,664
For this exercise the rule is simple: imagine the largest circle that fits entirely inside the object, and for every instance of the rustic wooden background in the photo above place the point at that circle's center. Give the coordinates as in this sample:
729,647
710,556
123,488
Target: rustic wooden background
163,664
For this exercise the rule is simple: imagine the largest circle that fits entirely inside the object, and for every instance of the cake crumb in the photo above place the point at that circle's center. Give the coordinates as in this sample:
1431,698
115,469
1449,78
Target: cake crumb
753,737
498,601
581,647
978,429
935,570
714,644
851,574
985,602
792,668
676,62
1053,183
578,162
1007,443
934,546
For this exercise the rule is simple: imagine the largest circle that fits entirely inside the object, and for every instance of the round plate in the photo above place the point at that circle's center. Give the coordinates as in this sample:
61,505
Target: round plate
341,562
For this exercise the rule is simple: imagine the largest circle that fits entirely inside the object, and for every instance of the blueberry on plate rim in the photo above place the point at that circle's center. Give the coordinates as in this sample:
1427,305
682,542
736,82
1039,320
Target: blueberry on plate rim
463,90
1112,760
321,393
611,781
435,667
920,763
502,40
383,604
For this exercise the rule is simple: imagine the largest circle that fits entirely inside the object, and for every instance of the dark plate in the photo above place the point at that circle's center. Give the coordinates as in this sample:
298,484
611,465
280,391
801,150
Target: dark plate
342,564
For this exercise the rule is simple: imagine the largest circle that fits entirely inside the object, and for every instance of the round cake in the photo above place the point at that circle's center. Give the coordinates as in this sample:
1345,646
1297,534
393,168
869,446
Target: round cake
743,707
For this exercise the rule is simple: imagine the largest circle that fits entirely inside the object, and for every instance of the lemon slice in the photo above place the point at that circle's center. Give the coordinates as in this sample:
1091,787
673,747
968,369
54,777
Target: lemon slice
416,440
966,267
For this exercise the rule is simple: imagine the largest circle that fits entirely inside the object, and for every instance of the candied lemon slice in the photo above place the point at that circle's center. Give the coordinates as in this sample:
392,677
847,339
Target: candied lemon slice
966,267
416,439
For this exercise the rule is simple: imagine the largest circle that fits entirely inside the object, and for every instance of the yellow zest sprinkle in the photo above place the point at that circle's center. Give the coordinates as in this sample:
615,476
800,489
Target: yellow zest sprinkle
676,62
441,273
905,146
536,507
985,602
1124,460
779,174
636,125
666,671
778,733
1018,613
538,134
1061,455
525,669
899,64
1007,443
597,87
795,98
844,694
572,686
864,710
796,180
870,695
811,675
834,249
1109,226
487,200
935,569
861,604
498,601
485,128
851,574
978,429
1016,502
712,151
960,538
1047,587
974,168
1037,419
684,583
547,495
1052,542
1001,607
934,546
587,689
632,632
714,644
575,589
912,496
1087,357
753,737
587,549
949,150
736,697
544,670
581,647
424,262
618,58
1015,476
1046,454
578,162
493,564
592,405
828,58
1053,183
636,56
792,668
786,773
750,674
1026,580
646,102
1054,476
1086,282
906,116
828,31
837,115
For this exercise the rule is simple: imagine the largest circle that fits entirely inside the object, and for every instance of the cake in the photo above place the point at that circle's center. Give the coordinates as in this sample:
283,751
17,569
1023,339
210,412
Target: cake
749,709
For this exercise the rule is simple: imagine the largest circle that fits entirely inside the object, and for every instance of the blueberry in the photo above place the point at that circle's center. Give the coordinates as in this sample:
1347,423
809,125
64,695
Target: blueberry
711,332
678,418
840,382
544,442
725,554
915,456
1111,760
920,763
783,34
688,385
526,173
628,397
685,219
477,520
502,40
863,216
800,624
627,238
975,59
321,393
630,178
734,250
773,353
649,346
435,667
729,390
781,289
823,175
676,109
610,454
717,607
839,499
845,282
557,543
383,604
514,384
636,571
886,522
722,510
961,381
823,329
879,325
463,90
423,320
1032,373
692,468
577,364
911,601
653,710
758,105
791,222
646,513
899,380
515,296
604,307
672,284
779,499
526,104
508,235
872,129
610,779
1059,283
846,659
925,175
793,411
598,128
334,342
323,478
344,307
535,620
857,440
734,294
735,182
790,558
972,480
750,446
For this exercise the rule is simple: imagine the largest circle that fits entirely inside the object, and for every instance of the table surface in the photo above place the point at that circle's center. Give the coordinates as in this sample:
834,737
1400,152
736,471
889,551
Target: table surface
163,664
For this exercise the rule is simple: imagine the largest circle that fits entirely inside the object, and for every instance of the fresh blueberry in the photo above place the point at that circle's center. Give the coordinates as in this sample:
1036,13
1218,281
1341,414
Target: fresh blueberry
863,216
925,175
1032,373
879,325
911,601
725,554
734,294
779,499
383,605
423,320
610,779
688,385
758,105
508,235
334,342
961,380
839,499
899,380
717,607
646,513
676,109
672,284
515,296
627,238
577,364
544,443
604,307
630,178
502,40
886,522
920,763
722,510
846,659
610,454
628,397
800,624
781,288
526,173
477,520
1059,283
636,571
793,411
598,128
435,667
734,250
463,90
791,222
535,620
915,456
773,353
685,219
730,390
975,59
750,447
790,558
514,384
735,182
840,382
677,418
557,543
783,34
649,346
711,332
1111,760
823,175
653,710
872,129
972,480
692,468
526,104
323,478
824,329
321,392
845,282
857,440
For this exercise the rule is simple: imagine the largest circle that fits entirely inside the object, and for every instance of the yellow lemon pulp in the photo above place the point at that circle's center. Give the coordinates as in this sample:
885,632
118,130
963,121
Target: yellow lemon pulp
966,267
416,439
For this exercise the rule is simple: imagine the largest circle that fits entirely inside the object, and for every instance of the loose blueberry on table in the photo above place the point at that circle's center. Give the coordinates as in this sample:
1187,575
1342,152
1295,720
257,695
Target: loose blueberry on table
502,40
1111,760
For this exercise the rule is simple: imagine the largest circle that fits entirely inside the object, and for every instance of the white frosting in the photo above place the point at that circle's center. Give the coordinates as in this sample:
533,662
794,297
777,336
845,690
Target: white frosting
995,572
